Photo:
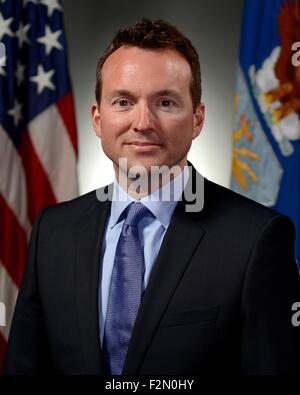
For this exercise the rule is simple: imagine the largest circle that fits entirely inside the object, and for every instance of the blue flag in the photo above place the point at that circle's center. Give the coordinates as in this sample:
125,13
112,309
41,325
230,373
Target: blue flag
266,135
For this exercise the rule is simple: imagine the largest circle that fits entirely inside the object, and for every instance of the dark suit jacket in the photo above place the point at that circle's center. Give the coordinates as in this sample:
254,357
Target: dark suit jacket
218,300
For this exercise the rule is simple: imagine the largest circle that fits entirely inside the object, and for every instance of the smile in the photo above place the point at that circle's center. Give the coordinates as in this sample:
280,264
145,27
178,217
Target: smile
141,147
141,144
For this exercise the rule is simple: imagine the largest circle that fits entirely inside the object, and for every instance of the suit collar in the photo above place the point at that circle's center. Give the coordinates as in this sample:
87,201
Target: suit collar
161,202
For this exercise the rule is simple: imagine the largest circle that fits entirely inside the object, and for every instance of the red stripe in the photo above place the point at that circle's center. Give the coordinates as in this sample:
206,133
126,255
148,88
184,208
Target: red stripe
3,346
65,107
13,243
39,190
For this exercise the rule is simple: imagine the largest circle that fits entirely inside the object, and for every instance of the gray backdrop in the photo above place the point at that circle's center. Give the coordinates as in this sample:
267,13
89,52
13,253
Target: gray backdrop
214,29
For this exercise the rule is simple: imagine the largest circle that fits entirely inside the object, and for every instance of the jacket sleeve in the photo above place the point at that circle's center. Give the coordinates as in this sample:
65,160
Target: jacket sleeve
27,351
270,342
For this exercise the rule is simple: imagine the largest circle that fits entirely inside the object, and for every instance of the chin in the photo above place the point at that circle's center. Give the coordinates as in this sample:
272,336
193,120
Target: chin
143,163
140,166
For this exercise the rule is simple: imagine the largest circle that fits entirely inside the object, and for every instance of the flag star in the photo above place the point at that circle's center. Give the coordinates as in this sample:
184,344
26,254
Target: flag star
16,112
4,26
20,73
42,79
52,5
50,40
21,34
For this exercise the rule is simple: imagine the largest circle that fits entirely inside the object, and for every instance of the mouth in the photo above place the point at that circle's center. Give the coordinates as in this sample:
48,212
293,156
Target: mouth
143,144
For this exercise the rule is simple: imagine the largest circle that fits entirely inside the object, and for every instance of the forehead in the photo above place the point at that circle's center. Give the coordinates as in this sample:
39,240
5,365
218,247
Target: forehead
147,68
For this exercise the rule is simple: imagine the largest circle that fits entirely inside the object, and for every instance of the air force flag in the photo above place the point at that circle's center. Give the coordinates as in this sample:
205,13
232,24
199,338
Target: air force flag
266,136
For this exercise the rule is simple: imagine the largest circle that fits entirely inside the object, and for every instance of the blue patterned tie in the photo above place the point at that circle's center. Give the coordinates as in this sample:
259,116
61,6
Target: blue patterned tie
125,290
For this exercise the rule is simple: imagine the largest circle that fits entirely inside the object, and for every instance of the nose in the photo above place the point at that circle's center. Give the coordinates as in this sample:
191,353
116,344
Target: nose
143,118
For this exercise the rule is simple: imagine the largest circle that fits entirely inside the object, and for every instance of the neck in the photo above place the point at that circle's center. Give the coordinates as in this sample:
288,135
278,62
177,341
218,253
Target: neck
143,183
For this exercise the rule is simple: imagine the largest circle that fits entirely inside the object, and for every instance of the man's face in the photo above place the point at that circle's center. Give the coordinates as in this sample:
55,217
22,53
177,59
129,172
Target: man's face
146,112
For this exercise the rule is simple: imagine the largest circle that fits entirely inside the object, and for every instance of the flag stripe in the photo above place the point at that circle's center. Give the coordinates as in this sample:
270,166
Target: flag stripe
12,180
66,107
55,151
37,180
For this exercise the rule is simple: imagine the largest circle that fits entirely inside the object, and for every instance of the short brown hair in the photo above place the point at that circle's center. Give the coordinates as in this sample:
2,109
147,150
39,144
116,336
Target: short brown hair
154,34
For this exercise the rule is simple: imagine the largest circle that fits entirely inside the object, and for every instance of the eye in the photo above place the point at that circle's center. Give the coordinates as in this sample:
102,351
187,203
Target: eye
166,102
122,102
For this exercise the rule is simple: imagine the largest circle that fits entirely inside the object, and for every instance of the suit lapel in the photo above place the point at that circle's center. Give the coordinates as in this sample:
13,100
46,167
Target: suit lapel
90,233
181,239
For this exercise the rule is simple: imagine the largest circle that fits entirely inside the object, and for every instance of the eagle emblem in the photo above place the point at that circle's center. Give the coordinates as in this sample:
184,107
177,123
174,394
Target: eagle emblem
276,85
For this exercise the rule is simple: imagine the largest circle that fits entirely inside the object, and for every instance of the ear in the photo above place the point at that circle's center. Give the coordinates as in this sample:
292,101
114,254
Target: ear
199,117
96,118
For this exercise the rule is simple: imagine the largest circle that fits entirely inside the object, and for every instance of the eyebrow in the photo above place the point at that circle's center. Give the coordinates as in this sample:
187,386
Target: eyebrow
121,92
163,92
169,92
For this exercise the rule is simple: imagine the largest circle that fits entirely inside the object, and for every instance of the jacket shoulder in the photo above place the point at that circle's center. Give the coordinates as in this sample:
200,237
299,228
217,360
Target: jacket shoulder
235,208
74,210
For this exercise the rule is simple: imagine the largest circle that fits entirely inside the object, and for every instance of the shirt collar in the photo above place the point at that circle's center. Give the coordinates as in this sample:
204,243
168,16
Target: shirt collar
161,202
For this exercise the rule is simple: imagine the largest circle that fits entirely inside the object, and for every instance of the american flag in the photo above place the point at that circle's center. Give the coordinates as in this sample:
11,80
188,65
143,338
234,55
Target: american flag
38,143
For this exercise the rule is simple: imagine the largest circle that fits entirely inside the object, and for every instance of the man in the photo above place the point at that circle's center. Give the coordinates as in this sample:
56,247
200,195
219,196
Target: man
138,284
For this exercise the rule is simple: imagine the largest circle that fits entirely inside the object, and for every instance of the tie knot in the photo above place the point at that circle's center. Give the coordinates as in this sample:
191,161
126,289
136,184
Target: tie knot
135,212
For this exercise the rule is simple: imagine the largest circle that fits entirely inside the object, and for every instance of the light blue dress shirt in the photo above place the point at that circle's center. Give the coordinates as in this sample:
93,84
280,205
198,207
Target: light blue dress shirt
151,230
